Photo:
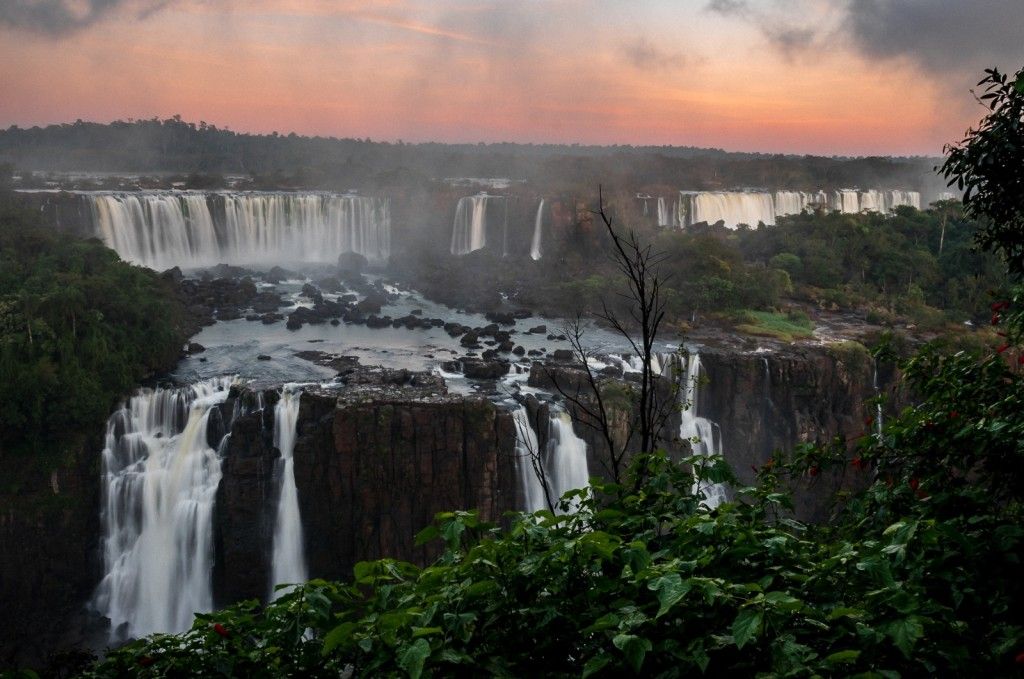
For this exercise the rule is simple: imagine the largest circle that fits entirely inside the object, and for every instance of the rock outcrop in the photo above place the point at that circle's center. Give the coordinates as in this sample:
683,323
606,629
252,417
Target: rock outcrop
374,462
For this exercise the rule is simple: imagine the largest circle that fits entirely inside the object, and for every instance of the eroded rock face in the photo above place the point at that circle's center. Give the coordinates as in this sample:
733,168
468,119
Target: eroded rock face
770,402
372,474
374,462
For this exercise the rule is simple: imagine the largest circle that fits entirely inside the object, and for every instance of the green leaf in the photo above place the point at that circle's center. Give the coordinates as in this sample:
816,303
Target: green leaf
418,632
746,626
634,648
670,589
413,657
843,657
595,665
428,534
338,636
905,633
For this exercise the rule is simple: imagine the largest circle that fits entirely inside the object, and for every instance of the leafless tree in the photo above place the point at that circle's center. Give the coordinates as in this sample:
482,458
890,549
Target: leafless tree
641,267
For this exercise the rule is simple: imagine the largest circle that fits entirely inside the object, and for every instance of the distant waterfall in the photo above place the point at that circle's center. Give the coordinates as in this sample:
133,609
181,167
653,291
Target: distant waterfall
700,432
563,461
538,231
161,229
160,478
663,217
289,560
753,207
731,207
469,232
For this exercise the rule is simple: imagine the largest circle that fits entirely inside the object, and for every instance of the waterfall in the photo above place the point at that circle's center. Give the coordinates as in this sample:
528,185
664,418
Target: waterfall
791,202
846,201
538,230
699,431
469,232
563,460
160,477
289,561
526,449
731,207
161,229
662,212
878,405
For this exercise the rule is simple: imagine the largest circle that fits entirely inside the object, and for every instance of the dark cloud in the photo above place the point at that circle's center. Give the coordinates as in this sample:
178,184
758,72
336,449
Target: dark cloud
728,7
941,36
57,18
646,56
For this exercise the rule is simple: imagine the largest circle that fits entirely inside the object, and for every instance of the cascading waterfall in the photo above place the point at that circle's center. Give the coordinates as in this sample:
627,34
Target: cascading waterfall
878,405
289,561
563,461
699,431
162,229
469,232
538,232
730,207
662,212
160,477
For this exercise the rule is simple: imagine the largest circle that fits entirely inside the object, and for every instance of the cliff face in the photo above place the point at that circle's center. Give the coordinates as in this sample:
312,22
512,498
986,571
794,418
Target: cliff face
49,556
371,472
370,475
769,402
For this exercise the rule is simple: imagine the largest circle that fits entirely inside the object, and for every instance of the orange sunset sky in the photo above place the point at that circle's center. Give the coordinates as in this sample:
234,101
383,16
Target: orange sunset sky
806,76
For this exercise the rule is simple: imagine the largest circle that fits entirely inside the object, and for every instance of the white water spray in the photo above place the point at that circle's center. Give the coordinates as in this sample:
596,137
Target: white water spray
538,231
160,480
289,561
162,229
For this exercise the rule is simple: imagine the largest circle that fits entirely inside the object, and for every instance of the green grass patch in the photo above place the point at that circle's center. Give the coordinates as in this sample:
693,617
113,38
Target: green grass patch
786,327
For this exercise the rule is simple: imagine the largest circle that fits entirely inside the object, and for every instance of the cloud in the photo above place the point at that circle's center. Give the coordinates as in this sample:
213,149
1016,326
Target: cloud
56,18
646,56
728,7
940,36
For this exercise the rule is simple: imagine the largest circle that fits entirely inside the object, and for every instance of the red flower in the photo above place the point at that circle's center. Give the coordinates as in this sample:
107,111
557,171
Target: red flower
859,463
995,319
221,630
953,414
1020,658
914,483
868,421
1002,348
998,306
147,660
814,470
1020,359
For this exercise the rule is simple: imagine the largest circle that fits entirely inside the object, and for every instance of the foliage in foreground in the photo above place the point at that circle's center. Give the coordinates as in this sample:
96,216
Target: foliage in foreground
920,575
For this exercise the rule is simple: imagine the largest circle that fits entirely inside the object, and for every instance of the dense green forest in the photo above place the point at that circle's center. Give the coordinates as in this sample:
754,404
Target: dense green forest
79,329
179,146
916,266
918,575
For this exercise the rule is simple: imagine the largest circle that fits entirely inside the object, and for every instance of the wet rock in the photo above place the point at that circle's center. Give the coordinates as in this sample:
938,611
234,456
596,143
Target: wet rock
506,346
252,317
538,329
270,319
195,348
519,351
352,263
563,355
501,318
330,284
262,357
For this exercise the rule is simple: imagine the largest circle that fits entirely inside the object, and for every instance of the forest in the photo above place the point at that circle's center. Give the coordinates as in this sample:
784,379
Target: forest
916,575
79,329
293,161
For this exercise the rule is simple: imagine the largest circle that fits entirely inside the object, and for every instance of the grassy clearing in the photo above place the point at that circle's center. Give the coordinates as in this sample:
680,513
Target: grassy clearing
786,327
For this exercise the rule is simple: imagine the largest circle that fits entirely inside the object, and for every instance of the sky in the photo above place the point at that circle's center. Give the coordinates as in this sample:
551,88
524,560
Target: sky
832,77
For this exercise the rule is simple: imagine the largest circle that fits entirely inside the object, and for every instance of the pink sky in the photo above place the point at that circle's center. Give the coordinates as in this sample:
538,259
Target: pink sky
587,71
